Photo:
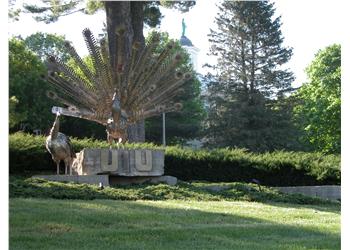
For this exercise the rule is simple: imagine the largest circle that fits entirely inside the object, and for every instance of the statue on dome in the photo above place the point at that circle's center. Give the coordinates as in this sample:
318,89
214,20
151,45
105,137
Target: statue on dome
183,27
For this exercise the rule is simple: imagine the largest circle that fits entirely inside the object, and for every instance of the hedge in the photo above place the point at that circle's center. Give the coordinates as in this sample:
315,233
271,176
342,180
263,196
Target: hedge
279,168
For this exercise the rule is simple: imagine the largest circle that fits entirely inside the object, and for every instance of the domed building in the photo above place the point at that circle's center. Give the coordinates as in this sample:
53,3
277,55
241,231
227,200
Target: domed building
187,44
189,47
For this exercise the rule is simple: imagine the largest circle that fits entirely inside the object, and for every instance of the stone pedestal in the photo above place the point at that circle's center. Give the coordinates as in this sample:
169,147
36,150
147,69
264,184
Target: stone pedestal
331,192
89,179
122,180
116,167
120,162
107,180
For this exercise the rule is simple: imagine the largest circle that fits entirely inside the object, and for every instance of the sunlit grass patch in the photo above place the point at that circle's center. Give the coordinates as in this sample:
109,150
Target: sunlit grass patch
171,224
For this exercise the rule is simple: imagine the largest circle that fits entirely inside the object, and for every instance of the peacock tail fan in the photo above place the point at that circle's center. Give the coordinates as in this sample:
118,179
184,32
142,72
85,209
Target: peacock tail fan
136,87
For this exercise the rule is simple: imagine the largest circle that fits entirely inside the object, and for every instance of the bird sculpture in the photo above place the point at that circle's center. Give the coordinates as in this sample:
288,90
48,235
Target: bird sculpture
60,147
139,86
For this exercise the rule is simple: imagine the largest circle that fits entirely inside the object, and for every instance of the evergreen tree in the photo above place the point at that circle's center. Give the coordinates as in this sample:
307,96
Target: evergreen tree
249,75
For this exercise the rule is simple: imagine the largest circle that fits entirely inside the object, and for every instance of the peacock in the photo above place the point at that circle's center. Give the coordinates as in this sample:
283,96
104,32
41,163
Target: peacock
60,147
140,86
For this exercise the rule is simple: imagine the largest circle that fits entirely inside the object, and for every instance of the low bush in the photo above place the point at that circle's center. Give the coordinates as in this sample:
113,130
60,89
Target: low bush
28,154
198,191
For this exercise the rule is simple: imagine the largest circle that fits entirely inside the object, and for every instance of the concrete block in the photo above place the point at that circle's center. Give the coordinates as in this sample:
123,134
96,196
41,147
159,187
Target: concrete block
108,160
126,180
120,162
143,160
88,179
331,192
170,180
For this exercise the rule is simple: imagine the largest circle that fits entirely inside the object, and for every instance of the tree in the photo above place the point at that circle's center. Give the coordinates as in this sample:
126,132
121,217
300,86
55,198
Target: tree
51,11
125,18
27,88
249,74
43,44
14,117
13,13
286,133
318,113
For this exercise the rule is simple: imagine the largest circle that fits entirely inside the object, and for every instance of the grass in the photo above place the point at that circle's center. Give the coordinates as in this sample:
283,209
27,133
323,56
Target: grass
198,191
171,224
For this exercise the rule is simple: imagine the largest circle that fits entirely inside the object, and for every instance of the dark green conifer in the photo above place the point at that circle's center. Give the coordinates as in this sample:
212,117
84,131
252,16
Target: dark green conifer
250,74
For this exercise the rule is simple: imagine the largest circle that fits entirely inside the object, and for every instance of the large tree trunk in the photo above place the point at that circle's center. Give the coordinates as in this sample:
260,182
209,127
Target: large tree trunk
128,15
137,16
118,16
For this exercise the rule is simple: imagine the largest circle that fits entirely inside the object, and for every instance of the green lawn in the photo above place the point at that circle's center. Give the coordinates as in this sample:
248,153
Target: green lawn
171,224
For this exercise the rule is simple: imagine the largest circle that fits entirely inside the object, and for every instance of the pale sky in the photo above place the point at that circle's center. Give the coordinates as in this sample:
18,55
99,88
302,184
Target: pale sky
306,25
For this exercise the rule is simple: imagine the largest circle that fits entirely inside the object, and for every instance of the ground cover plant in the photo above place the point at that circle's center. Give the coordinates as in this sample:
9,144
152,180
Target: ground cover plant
171,224
198,191
279,168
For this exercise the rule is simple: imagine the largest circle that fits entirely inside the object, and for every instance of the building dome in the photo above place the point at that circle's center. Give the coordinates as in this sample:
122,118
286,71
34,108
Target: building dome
188,46
184,41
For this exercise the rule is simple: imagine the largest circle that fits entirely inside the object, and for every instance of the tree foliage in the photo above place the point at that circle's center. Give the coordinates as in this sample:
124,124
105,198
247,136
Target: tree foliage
43,44
13,13
15,117
51,11
249,77
318,113
26,83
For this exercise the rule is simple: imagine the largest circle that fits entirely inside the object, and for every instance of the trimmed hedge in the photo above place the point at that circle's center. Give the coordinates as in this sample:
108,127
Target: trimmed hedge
279,168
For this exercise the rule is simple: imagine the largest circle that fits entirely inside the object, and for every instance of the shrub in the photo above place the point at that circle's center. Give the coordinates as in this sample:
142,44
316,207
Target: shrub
279,168
40,188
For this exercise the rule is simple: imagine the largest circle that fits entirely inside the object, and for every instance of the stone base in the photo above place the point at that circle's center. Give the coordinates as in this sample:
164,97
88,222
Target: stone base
110,180
122,162
331,192
123,180
88,179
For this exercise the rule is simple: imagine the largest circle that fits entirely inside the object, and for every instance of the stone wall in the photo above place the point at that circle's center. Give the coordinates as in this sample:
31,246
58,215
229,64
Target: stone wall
330,192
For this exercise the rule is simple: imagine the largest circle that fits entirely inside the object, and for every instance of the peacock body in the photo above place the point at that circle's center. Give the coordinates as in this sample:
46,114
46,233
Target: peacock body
138,87
60,147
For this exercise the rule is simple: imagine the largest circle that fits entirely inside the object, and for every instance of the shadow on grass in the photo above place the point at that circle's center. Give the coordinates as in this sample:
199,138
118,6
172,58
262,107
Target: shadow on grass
103,224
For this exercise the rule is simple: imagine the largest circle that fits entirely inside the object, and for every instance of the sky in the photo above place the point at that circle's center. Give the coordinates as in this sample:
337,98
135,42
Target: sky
307,26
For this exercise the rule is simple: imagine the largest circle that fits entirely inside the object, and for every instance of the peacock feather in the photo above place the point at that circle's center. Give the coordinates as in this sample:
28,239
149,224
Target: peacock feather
116,96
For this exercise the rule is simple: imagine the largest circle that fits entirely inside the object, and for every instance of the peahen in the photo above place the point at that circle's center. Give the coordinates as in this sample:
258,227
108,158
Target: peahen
60,147
139,86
